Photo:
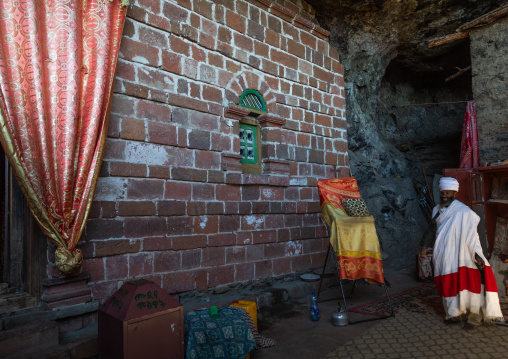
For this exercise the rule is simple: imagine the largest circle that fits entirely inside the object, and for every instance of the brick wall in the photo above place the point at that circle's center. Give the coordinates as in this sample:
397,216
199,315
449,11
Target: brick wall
172,204
489,54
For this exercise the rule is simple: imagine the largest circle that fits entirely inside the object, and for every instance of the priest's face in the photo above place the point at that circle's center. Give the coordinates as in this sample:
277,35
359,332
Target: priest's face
447,197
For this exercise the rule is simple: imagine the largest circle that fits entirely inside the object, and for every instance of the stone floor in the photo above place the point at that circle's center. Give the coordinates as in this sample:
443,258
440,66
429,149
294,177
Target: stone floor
297,336
416,335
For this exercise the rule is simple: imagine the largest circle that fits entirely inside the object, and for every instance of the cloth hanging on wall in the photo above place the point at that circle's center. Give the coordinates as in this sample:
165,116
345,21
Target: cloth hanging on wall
57,70
469,150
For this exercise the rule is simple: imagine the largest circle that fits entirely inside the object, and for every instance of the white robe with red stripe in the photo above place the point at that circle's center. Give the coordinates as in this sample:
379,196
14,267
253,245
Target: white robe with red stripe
457,278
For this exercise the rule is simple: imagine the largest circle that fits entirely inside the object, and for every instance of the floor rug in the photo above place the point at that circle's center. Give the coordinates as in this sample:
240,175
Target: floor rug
422,299
416,335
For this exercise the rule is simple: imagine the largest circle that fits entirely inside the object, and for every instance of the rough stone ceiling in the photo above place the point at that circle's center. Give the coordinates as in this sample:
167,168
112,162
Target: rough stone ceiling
402,28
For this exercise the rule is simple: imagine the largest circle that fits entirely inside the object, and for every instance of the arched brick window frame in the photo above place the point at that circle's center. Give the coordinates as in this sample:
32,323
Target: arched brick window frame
250,80
269,123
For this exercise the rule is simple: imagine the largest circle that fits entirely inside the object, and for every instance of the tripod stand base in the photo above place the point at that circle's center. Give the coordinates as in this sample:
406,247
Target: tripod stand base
384,285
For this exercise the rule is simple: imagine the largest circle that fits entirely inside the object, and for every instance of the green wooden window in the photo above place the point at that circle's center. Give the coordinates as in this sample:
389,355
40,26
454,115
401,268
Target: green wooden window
248,143
252,99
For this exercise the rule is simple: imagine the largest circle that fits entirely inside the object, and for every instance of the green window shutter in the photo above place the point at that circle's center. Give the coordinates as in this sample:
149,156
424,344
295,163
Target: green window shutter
248,143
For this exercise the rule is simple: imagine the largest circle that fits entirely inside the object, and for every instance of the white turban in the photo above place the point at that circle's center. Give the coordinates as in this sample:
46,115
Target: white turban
448,184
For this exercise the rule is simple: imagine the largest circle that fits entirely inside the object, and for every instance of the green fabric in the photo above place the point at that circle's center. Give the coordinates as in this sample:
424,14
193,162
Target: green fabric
227,337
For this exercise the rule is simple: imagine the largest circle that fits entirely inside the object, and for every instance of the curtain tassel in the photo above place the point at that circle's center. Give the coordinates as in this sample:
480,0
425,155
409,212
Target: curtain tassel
67,262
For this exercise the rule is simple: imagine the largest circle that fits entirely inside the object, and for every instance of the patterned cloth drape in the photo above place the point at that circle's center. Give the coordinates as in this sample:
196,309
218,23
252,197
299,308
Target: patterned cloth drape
469,151
354,239
334,190
57,67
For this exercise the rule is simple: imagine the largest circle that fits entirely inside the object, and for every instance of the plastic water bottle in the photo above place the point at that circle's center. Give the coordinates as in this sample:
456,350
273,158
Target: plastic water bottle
314,310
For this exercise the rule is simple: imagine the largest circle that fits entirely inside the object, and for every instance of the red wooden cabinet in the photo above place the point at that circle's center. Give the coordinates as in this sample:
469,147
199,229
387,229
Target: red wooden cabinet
493,207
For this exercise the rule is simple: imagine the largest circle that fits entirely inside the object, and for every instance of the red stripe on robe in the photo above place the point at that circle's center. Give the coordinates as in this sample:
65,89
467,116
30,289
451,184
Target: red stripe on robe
449,285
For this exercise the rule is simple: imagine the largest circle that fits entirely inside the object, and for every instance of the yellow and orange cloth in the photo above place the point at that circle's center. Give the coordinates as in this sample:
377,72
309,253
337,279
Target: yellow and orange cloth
354,239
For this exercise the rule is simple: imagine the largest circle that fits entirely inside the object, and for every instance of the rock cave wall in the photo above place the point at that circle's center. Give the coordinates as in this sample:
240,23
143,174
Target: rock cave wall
489,55
388,69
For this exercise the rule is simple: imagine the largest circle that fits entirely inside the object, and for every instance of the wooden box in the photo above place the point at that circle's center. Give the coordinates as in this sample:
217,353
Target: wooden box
141,321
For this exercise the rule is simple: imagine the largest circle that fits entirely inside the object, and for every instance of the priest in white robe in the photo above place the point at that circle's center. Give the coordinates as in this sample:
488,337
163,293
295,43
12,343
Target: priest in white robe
462,274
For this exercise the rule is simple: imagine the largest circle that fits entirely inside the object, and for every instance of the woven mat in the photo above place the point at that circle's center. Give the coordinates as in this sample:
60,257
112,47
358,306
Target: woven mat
422,299
416,335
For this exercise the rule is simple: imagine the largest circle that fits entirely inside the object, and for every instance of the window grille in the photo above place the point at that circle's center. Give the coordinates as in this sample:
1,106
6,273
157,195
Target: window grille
253,100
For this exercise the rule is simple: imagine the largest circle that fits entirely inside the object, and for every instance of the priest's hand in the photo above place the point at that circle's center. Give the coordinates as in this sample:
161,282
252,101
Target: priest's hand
479,260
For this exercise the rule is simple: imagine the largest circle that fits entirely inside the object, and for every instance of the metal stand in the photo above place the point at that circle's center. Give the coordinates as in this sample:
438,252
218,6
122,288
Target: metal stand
354,285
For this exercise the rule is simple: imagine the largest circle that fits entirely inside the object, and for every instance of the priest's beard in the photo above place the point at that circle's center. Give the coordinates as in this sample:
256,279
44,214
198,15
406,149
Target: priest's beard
446,201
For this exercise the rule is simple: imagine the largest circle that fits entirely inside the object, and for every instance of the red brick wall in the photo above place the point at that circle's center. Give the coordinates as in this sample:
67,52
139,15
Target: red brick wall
167,206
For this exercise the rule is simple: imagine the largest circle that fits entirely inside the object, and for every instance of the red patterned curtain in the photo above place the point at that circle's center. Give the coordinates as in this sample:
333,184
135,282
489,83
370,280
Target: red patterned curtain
469,150
57,68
